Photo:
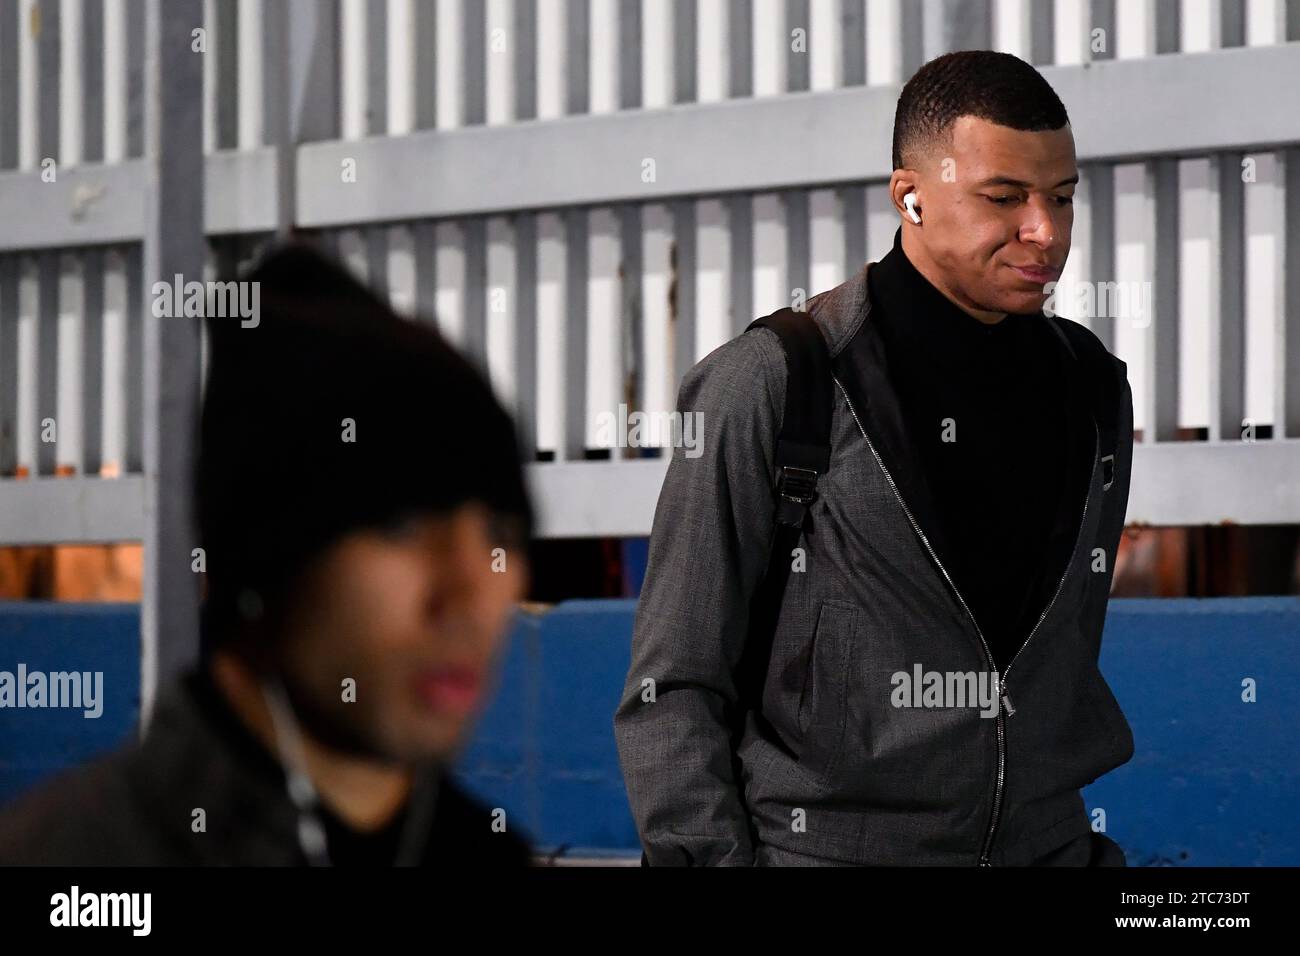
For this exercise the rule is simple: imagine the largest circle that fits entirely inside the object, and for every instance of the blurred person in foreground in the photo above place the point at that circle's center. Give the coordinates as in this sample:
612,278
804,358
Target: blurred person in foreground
356,478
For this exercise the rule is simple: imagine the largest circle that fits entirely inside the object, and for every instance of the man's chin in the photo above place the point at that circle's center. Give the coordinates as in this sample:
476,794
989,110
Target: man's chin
1022,303
430,741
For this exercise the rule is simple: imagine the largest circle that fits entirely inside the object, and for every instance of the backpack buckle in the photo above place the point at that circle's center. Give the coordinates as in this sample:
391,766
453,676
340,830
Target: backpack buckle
1107,472
797,484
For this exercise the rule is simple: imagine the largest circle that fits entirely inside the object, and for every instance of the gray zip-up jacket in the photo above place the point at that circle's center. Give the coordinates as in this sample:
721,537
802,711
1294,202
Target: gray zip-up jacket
835,772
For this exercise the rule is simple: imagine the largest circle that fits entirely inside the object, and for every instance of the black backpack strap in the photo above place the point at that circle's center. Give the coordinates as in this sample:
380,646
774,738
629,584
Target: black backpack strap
803,453
1101,381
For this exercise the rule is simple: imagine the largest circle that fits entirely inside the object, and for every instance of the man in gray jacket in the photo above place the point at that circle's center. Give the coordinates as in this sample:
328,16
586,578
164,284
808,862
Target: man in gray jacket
931,695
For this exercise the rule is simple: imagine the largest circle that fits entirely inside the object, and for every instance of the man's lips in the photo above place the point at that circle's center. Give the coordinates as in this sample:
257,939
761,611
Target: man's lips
1039,275
449,689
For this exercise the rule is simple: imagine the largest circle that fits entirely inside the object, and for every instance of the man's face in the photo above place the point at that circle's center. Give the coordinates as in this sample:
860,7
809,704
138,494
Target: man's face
415,617
997,218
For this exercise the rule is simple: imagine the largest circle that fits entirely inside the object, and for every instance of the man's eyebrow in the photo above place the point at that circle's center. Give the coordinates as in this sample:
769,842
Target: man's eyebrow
1008,181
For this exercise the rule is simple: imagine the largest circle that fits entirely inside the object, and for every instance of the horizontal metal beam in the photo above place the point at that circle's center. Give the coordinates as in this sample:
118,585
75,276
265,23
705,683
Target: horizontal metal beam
100,204
1189,104
240,193
1174,483
1205,483
86,205
1235,482
574,499
1185,104
591,499
71,510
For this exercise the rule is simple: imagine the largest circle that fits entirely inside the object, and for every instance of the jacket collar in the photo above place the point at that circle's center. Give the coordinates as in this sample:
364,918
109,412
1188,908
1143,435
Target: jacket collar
197,754
862,368
922,325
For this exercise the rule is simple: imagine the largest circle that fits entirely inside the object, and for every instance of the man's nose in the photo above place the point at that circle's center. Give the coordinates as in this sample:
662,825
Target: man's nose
1041,226
472,575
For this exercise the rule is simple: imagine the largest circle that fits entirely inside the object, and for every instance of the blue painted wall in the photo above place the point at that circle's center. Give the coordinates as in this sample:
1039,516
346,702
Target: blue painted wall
1214,781
60,637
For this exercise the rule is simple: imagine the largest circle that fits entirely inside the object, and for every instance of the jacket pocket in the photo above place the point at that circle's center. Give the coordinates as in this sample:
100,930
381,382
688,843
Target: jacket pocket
823,704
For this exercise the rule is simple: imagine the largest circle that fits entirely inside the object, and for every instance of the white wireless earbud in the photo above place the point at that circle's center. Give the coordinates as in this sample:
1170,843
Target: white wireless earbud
910,202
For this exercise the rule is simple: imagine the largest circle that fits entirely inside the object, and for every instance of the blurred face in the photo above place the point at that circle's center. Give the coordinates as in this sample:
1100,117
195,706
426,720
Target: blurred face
996,215
416,616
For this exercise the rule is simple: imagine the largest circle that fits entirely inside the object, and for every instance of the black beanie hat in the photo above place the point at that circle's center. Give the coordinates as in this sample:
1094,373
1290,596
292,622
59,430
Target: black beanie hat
326,361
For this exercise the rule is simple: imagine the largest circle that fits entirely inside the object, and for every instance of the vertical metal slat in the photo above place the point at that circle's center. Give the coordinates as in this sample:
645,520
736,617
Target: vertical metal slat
174,245
952,25
1168,26
740,208
376,67
797,71
1042,32
47,359
740,52
474,231
92,89
685,65
8,84
1287,376
740,216
426,65
1227,314
1232,24
683,314
525,332
853,209
474,77
1102,17
1100,180
49,56
227,68
911,39
1162,336
798,246
853,48
8,365
92,360
576,270
525,49
133,345
134,33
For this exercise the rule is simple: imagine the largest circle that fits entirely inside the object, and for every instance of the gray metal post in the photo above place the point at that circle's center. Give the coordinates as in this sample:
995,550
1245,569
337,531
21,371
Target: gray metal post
173,245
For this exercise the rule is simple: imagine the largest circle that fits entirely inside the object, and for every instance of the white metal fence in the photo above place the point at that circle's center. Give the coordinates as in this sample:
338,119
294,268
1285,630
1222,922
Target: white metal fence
589,195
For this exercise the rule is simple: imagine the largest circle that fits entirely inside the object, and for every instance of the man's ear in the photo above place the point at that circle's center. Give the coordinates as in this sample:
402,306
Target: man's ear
902,182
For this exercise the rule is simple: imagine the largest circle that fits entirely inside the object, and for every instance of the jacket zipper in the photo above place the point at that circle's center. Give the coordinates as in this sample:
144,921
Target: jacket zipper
1083,517
1007,707
1060,584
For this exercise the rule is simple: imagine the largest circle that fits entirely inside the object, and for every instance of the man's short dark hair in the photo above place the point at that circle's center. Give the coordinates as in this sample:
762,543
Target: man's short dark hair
996,87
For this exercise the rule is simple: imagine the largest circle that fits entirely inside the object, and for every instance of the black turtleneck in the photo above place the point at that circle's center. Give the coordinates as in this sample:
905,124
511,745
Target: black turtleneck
999,489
